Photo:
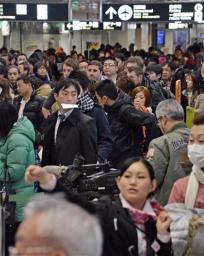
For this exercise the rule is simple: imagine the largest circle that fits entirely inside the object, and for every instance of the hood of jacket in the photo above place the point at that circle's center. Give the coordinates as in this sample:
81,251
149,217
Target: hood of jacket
25,127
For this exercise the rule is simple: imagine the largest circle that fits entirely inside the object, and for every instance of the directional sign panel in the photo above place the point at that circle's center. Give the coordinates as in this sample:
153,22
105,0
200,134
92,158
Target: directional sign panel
164,12
33,12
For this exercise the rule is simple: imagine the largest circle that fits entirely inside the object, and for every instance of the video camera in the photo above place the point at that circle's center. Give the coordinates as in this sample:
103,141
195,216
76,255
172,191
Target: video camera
93,180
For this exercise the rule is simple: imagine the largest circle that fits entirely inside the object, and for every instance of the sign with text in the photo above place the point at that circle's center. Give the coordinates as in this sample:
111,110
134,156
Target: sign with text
33,12
93,25
160,12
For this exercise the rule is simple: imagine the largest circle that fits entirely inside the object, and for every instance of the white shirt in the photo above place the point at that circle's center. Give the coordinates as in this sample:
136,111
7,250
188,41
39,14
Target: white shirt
66,114
142,244
21,109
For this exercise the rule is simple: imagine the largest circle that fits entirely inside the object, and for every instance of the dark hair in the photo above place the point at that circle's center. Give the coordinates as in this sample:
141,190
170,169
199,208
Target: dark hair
171,65
81,77
25,79
193,77
199,118
37,66
156,68
36,82
3,70
107,88
25,66
66,83
120,56
8,116
111,58
129,161
5,86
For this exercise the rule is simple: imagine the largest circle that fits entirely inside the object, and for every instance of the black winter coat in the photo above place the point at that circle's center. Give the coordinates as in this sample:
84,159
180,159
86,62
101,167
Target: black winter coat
119,231
126,127
33,111
104,137
76,135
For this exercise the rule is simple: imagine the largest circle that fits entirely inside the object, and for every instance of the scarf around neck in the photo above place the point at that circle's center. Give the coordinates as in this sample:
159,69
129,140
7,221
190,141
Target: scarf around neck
196,177
85,103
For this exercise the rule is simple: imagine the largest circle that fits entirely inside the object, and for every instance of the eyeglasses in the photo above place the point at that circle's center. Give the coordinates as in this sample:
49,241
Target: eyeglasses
109,65
13,251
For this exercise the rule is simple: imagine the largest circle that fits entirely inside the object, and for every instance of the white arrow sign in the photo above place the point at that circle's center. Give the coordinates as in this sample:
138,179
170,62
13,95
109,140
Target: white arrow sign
111,11
69,25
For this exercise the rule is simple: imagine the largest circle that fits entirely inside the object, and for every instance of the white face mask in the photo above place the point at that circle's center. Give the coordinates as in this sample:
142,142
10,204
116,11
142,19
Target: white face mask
0,90
196,154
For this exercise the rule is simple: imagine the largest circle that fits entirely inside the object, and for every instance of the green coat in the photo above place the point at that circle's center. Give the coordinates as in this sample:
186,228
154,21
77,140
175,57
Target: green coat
16,154
165,154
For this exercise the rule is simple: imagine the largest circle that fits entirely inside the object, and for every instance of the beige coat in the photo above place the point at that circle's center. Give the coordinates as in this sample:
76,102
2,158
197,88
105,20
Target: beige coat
200,102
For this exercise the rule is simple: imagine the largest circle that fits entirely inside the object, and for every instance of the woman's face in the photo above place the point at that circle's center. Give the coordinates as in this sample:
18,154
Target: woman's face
13,75
42,71
135,185
189,82
139,99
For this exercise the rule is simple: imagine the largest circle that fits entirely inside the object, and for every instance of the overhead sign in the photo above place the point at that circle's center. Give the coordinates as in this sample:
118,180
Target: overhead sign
34,12
92,25
155,12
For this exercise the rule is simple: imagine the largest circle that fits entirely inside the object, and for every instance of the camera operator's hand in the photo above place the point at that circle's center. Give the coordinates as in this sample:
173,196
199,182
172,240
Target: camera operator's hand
37,173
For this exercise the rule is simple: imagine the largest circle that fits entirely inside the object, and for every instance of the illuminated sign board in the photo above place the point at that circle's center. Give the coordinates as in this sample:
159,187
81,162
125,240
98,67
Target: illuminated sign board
34,12
166,12
93,25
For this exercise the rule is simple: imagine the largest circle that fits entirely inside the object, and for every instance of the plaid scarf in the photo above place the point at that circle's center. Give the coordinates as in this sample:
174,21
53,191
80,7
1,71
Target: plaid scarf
85,103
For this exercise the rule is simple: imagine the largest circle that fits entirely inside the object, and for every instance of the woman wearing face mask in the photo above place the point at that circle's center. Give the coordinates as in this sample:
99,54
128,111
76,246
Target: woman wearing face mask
190,190
134,224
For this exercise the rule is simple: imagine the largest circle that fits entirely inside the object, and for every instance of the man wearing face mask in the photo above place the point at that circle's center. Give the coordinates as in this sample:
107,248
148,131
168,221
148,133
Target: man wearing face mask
190,190
68,131
166,152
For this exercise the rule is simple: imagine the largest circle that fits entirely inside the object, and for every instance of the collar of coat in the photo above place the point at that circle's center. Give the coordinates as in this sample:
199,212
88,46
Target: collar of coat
73,118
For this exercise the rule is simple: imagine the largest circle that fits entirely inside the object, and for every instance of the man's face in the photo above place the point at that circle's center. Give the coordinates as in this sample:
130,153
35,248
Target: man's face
110,68
29,242
67,96
83,66
197,135
133,77
23,88
94,73
166,73
66,70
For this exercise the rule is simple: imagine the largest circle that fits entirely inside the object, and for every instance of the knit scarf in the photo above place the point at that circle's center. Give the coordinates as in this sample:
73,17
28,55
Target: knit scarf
196,177
85,103
140,217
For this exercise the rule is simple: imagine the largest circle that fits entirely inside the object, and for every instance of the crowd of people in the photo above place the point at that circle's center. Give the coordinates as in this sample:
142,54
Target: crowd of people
125,107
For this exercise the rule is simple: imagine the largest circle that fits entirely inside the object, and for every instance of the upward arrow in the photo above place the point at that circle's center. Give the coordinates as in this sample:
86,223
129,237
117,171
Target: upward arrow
111,11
